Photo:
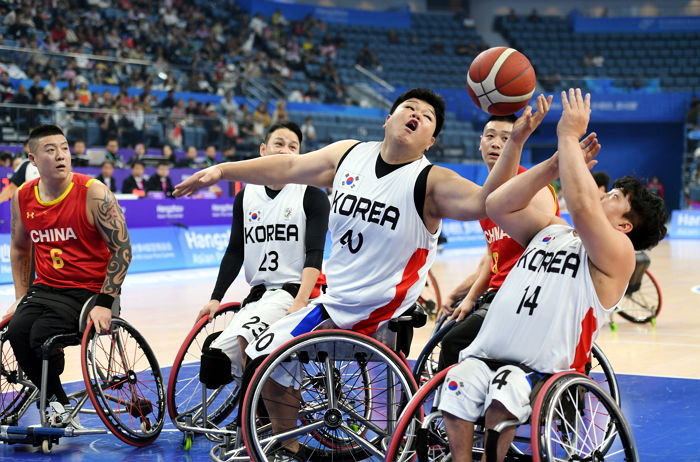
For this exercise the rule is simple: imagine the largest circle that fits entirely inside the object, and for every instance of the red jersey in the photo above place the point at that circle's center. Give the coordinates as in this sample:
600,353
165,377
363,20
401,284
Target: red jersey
68,250
504,250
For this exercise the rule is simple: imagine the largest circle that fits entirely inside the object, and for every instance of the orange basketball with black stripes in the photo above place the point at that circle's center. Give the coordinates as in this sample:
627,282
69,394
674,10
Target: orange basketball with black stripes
501,80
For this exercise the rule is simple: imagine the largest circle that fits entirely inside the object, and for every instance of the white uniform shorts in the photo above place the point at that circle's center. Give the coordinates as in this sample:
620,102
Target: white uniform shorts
471,386
303,321
252,320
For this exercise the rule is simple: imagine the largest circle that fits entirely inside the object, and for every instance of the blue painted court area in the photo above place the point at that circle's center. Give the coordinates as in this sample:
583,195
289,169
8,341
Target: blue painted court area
663,413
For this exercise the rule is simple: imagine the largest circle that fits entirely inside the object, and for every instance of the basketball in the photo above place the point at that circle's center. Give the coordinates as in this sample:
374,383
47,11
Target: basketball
501,80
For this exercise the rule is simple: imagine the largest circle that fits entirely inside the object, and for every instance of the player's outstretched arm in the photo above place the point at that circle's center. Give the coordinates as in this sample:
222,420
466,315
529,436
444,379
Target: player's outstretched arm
451,196
109,219
610,251
316,168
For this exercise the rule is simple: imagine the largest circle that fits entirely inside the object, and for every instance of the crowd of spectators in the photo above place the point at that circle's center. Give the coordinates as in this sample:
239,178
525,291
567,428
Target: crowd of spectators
190,48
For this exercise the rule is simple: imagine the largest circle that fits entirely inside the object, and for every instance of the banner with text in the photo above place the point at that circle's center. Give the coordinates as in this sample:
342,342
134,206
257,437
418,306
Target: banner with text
685,224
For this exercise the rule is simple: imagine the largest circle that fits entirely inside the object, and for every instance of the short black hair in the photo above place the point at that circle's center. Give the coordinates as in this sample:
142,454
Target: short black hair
163,162
106,162
601,179
510,118
647,213
430,97
138,162
289,125
40,132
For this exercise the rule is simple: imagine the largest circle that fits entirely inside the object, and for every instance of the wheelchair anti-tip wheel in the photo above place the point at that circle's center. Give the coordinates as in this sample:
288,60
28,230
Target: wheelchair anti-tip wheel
577,420
351,390
124,382
184,393
16,390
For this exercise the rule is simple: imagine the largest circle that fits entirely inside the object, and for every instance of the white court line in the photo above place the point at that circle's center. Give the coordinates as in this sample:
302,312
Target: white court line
639,342
663,376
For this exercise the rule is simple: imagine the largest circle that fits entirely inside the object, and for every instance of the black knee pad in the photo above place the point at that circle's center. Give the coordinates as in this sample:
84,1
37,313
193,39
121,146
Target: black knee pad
215,366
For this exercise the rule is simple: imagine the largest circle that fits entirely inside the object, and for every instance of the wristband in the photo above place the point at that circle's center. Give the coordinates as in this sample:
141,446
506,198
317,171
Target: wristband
105,300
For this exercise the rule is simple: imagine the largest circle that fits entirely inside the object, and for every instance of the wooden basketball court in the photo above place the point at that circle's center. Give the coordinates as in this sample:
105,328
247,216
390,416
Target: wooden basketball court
163,307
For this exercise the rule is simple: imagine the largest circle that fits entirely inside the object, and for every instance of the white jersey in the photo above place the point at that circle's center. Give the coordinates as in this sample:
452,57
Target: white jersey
547,313
273,235
381,250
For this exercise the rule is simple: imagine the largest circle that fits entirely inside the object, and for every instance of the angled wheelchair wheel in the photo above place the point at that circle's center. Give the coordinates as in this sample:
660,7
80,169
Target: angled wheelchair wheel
602,373
16,391
351,390
644,304
184,394
575,419
426,365
430,297
420,432
124,382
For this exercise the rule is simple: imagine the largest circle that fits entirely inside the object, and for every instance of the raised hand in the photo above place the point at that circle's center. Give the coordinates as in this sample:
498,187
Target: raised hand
575,115
199,180
590,148
529,121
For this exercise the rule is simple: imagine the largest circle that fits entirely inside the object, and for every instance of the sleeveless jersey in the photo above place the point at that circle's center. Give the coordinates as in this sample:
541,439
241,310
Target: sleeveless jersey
547,315
503,249
381,250
273,235
68,250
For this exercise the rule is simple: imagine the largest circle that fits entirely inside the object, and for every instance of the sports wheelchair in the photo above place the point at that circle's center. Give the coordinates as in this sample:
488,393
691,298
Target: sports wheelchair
573,419
642,301
351,389
426,365
196,407
123,384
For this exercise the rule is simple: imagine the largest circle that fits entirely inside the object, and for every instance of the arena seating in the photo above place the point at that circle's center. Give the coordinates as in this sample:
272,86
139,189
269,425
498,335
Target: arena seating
667,61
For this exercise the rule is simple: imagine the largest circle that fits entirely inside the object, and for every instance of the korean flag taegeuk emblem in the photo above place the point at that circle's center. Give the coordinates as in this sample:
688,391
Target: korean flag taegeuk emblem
350,180
254,216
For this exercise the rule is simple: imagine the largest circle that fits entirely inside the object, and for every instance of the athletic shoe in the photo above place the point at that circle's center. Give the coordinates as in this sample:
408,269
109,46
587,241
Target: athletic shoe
59,415
285,455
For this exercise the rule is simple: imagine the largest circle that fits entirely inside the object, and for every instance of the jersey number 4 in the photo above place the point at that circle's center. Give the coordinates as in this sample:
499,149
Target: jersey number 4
272,265
530,301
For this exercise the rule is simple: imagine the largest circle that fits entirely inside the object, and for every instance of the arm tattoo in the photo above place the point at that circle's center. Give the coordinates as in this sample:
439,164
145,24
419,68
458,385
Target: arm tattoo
110,219
22,260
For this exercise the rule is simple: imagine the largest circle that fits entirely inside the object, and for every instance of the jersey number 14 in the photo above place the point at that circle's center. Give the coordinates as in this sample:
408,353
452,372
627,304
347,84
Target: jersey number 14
529,302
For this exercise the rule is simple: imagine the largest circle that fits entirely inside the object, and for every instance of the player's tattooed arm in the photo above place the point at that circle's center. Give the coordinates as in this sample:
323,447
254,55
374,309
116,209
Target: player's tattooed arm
20,253
109,219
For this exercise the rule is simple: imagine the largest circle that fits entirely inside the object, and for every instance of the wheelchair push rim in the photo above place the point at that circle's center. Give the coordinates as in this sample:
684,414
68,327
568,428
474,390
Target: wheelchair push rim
339,431
184,392
124,382
575,419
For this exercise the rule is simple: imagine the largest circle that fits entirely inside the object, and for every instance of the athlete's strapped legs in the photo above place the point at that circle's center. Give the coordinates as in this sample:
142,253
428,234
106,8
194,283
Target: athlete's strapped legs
472,387
37,318
248,324
281,395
